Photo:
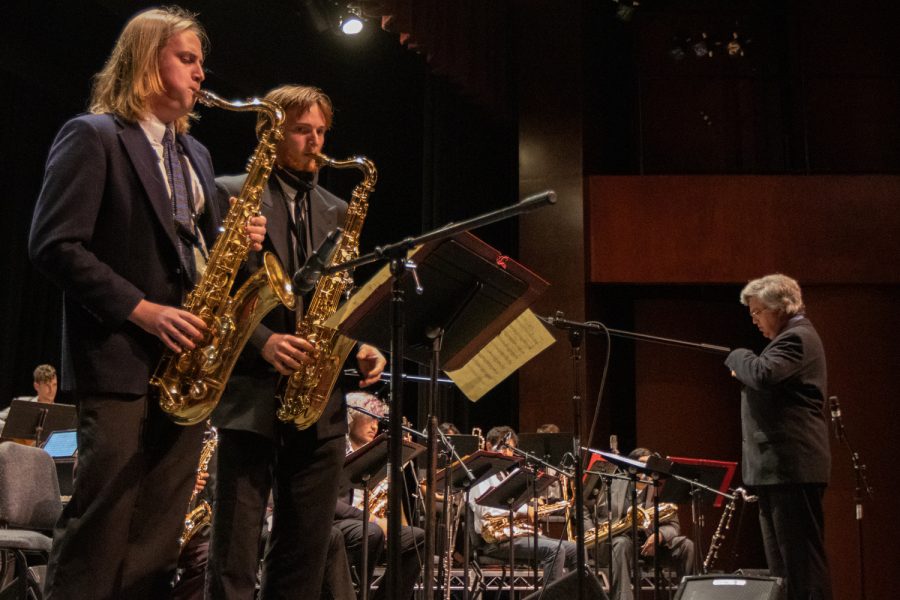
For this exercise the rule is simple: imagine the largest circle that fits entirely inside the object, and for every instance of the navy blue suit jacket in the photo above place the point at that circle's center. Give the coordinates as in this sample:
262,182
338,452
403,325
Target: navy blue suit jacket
104,231
784,433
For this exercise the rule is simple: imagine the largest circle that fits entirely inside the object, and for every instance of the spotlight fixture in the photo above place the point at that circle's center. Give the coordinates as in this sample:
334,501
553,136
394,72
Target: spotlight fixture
351,21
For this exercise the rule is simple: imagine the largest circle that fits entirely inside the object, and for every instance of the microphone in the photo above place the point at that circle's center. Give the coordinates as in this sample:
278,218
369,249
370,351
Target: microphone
502,442
306,277
836,416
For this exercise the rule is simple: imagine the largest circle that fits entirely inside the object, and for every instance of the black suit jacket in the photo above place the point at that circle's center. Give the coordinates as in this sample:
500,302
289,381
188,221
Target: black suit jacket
104,231
785,436
249,403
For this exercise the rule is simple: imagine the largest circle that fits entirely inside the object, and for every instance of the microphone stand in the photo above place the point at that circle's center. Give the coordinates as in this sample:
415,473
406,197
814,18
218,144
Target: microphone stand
862,489
396,255
597,328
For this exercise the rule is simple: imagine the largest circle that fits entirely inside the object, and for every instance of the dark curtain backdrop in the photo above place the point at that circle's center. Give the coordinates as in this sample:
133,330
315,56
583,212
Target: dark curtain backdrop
439,157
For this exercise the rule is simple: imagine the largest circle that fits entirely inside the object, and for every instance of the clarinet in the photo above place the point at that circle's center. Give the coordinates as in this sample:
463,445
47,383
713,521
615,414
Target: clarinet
724,525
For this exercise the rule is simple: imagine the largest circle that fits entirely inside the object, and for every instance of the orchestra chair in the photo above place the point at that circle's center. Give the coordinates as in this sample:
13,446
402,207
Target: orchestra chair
29,508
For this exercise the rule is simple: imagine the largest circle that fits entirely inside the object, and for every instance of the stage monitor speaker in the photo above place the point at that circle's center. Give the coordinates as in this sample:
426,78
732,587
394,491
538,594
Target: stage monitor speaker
567,589
729,587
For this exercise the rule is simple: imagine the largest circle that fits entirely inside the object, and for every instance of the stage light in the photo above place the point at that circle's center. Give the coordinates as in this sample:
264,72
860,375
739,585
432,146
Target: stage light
351,21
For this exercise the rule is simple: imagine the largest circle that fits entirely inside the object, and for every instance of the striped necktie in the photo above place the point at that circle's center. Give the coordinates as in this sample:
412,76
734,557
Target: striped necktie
181,202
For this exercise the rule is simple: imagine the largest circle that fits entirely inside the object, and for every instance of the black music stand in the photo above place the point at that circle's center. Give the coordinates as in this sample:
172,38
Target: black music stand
691,477
458,296
551,447
365,468
464,444
521,485
35,420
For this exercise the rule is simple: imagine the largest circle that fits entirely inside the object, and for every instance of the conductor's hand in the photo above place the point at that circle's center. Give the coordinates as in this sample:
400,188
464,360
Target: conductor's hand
371,364
178,329
287,352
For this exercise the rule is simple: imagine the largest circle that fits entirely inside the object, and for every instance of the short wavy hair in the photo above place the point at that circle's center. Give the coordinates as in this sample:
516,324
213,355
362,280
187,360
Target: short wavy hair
44,374
496,435
365,401
303,97
777,292
131,73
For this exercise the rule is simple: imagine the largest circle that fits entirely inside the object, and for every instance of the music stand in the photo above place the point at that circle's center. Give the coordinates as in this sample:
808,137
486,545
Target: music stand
511,493
365,468
690,478
551,447
461,294
464,444
715,474
35,420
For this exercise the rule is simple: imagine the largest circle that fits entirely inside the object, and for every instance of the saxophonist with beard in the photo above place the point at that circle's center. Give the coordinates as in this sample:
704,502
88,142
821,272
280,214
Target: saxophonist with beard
257,453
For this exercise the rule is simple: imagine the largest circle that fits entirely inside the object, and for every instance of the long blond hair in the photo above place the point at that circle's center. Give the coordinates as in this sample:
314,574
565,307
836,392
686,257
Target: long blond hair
131,74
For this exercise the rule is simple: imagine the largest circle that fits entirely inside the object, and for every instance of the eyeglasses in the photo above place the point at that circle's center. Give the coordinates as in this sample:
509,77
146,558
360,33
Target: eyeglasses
757,312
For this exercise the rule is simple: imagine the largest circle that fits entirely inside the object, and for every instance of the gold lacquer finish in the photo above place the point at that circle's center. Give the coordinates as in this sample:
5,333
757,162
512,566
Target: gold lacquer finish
495,529
304,394
667,512
199,515
191,382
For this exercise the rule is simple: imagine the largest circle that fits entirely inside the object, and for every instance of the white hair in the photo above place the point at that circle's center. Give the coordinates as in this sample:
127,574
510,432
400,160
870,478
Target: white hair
777,292
365,401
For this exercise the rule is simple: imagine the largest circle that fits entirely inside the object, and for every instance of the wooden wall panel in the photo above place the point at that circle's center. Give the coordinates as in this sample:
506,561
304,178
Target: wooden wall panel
692,229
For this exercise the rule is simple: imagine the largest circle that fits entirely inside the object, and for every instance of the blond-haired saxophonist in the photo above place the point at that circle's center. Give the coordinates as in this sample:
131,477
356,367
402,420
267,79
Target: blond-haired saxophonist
257,452
123,217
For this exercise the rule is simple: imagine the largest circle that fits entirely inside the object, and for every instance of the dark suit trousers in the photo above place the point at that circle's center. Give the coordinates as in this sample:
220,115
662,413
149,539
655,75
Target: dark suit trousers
793,530
306,473
118,536
412,542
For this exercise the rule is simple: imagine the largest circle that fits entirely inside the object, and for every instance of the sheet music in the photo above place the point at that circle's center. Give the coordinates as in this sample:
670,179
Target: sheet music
362,294
519,342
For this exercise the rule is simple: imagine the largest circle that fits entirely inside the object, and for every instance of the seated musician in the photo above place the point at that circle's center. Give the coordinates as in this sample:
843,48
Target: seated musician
44,385
554,555
676,550
349,515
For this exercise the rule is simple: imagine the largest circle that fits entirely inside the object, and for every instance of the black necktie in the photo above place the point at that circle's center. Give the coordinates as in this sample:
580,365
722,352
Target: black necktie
181,202
303,182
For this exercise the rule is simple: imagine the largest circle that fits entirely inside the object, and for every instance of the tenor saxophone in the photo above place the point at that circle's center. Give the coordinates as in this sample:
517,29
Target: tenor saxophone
304,394
191,382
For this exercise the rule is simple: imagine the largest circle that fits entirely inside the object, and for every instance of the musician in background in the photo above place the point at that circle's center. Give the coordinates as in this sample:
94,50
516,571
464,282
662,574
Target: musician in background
786,458
554,555
348,513
44,381
676,550
121,225
257,452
